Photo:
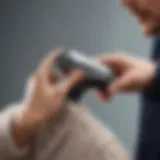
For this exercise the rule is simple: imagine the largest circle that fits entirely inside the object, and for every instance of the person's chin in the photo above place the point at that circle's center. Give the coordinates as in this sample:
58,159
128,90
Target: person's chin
150,31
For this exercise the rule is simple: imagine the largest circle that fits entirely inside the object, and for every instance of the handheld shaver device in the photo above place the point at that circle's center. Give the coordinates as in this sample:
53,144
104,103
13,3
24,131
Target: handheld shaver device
96,75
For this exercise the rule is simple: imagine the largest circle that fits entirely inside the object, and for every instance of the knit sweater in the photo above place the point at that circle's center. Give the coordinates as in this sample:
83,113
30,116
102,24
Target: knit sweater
74,134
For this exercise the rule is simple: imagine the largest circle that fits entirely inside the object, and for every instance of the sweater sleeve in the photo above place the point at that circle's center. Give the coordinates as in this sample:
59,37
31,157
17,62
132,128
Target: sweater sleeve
8,148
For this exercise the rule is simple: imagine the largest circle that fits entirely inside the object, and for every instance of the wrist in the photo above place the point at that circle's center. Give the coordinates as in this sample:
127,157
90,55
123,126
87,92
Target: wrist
30,119
152,75
24,128
152,71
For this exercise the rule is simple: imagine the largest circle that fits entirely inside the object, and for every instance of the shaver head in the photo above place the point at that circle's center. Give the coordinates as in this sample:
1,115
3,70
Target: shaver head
96,75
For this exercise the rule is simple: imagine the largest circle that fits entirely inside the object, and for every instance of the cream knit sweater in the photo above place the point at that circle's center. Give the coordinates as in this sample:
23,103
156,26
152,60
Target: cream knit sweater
75,134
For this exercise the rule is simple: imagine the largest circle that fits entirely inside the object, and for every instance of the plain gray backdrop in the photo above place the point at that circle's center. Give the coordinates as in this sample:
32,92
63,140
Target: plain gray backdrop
31,28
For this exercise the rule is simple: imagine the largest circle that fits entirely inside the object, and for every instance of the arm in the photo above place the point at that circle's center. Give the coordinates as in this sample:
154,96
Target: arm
10,134
43,99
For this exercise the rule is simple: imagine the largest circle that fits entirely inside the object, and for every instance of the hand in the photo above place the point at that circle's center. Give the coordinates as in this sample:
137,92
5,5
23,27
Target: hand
47,96
131,74
44,100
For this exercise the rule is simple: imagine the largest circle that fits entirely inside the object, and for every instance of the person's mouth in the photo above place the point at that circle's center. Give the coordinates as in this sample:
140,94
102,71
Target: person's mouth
149,24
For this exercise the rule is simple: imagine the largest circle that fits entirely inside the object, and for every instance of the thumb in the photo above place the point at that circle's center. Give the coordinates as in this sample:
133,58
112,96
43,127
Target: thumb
73,79
121,84
115,61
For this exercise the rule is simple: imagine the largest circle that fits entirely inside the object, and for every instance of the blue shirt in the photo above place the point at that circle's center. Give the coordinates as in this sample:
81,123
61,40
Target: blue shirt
149,137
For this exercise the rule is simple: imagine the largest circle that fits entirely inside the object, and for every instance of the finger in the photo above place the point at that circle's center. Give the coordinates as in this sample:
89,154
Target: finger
115,61
47,62
111,57
103,96
73,79
121,84
45,67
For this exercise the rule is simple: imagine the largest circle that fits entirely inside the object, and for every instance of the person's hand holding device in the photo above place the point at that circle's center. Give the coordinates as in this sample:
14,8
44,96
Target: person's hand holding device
44,100
131,74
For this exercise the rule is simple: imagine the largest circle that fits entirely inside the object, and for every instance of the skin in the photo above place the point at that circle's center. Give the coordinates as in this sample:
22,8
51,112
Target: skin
133,74
45,100
146,12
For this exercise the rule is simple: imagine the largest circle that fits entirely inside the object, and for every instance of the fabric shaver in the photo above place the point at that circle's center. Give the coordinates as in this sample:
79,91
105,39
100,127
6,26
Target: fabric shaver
96,75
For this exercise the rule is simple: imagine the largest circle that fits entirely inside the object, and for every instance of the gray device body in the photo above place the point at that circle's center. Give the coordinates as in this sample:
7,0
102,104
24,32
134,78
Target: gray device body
96,75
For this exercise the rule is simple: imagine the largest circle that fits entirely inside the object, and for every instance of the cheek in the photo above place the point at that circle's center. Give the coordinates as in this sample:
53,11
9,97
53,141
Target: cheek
128,2
153,5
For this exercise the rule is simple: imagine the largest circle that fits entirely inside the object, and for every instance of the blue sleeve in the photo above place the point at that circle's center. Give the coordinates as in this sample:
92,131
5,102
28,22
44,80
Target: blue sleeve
156,58
152,92
156,80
